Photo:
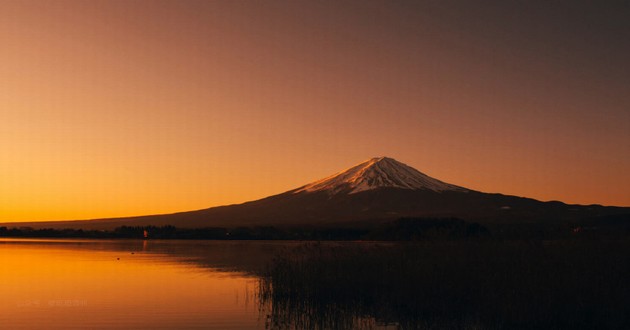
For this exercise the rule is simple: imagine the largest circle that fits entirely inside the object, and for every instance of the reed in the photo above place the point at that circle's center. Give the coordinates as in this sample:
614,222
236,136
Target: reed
483,284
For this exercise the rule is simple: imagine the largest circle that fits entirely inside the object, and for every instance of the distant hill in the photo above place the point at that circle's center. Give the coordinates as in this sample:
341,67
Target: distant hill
371,192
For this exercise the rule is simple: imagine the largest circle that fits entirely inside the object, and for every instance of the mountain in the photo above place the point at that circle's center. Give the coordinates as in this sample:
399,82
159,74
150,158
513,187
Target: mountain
381,172
371,192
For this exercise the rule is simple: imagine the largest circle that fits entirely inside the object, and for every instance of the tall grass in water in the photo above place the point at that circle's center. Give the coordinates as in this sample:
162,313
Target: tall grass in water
567,284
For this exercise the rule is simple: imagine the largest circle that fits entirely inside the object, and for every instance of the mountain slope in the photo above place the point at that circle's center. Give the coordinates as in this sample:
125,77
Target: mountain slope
374,191
381,172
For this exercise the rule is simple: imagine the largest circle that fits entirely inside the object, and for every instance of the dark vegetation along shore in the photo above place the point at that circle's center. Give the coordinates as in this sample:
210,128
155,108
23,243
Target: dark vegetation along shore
403,229
456,284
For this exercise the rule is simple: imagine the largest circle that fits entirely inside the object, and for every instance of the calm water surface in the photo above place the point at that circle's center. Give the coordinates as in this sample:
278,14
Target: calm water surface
132,284
153,284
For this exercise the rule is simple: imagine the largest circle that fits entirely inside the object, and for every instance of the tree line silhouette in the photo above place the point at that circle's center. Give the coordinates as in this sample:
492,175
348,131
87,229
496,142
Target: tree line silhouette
403,229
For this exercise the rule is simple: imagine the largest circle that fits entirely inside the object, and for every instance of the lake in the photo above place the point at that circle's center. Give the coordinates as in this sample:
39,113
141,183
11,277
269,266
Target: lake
132,283
177,284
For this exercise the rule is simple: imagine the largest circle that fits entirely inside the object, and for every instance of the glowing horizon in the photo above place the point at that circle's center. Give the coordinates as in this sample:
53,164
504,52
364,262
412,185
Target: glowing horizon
112,109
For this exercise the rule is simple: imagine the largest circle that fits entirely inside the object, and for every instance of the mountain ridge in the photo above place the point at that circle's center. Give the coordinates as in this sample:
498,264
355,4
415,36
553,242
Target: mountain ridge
377,173
376,190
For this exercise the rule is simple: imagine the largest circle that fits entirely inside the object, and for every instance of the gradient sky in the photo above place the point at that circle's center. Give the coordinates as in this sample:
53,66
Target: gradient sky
117,108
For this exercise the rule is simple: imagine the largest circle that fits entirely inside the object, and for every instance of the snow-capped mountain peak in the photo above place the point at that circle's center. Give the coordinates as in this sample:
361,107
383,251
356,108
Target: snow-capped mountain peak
379,172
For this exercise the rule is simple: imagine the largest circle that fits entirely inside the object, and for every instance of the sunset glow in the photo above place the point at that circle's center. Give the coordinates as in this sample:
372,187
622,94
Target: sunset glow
121,108
54,283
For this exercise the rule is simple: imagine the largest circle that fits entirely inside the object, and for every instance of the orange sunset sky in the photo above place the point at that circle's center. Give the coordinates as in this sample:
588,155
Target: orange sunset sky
119,108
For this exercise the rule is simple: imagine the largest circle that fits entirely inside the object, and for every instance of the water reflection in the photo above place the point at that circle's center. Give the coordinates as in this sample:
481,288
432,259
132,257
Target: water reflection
288,285
130,284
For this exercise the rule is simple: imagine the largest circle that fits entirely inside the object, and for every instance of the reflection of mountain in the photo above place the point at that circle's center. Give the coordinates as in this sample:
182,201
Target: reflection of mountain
376,190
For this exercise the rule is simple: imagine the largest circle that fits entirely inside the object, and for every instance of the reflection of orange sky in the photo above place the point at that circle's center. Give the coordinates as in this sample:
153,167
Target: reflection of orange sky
117,108
77,287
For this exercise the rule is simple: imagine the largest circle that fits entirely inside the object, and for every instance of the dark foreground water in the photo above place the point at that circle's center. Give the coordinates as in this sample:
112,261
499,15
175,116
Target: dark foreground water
153,284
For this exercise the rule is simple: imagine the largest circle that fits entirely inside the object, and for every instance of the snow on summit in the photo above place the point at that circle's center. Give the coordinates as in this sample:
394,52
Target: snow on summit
378,173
